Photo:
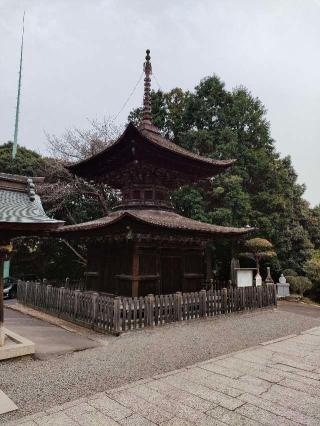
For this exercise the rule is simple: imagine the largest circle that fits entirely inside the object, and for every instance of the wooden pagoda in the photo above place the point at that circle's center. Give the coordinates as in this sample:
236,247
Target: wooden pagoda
143,246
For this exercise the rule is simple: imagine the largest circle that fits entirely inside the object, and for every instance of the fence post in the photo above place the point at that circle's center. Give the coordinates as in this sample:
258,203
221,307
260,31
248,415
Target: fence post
203,304
178,305
19,287
224,300
76,303
150,310
60,300
275,300
48,290
36,296
94,307
116,315
26,292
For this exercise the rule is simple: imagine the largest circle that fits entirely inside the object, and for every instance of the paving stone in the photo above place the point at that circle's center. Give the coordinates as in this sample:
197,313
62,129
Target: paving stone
175,407
231,418
231,387
30,418
186,398
257,356
242,367
213,367
136,420
212,381
84,414
209,394
296,371
280,410
263,416
56,419
313,359
177,422
303,387
299,364
141,406
64,406
293,399
110,407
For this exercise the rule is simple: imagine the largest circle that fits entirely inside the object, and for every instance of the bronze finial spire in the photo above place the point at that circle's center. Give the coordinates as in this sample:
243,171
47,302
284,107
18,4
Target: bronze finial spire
146,122
146,116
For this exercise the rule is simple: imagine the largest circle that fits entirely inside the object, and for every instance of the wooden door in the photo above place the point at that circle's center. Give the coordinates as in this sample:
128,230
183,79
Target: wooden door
171,274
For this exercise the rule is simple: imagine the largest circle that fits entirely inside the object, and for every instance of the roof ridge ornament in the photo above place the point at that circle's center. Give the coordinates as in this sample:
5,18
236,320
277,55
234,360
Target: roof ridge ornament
31,190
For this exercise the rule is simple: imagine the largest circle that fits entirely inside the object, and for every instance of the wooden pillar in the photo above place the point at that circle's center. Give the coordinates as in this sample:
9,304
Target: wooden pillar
208,254
135,272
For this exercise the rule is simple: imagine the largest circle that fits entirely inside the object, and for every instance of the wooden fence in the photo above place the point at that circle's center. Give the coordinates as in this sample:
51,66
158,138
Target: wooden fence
118,314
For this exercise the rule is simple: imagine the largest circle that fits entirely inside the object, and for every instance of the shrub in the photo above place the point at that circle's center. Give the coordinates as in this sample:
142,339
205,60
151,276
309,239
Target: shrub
299,284
289,273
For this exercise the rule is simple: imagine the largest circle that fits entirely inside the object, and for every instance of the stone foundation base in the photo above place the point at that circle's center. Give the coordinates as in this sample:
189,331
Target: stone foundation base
15,345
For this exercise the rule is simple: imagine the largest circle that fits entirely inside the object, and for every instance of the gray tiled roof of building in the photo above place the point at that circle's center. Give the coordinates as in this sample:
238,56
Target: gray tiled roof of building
19,202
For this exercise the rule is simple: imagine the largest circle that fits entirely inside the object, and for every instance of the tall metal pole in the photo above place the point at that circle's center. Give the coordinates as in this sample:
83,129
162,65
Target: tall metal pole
16,124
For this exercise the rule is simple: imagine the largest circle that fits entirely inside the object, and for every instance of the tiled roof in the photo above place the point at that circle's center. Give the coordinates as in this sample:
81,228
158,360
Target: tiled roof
160,218
154,137
19,204
159,140
16,207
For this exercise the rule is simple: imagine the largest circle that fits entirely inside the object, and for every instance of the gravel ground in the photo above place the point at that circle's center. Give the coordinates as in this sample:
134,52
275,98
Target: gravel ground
36,385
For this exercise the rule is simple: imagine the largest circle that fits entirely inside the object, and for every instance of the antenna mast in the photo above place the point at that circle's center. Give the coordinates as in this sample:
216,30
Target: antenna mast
16,124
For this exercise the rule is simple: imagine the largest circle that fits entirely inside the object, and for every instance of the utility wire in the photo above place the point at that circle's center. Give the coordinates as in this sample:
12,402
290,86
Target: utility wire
129,97
157,81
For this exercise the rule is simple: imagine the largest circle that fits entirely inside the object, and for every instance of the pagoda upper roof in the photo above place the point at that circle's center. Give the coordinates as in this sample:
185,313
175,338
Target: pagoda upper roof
21,210
146,144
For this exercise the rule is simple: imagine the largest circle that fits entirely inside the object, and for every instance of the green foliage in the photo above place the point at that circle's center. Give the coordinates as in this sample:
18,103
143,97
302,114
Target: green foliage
312,268
289,273
259,249
45,258
26,163
299,284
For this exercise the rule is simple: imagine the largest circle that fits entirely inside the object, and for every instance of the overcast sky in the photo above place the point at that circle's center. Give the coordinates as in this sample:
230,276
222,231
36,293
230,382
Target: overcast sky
82,59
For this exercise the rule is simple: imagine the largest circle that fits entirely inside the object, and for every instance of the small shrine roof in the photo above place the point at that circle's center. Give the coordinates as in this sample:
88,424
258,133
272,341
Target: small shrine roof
159,218
20,205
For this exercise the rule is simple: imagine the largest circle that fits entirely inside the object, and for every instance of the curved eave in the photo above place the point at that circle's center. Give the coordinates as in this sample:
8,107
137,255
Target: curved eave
167,221
28,229
209,166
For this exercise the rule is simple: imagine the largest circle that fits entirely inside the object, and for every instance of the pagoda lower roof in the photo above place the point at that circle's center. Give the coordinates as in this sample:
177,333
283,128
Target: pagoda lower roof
155,218
145,143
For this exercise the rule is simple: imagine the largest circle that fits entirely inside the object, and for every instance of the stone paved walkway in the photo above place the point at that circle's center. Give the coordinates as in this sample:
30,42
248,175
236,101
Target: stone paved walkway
275,383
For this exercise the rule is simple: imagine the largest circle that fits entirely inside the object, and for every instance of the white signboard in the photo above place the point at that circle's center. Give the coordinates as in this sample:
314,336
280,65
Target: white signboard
244,277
